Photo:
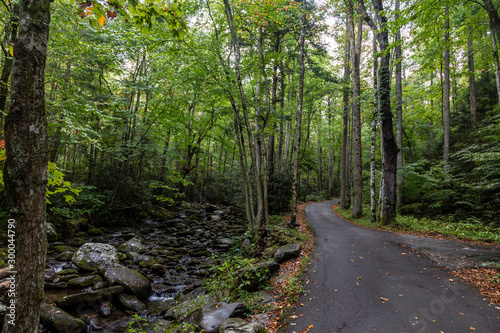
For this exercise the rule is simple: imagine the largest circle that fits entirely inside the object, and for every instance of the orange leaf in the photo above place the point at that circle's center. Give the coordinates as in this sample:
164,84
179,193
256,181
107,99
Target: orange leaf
102,20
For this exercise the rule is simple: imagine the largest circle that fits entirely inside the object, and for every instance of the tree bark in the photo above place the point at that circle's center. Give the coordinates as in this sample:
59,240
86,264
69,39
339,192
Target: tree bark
7,65
26,165
373,193
495,58
344,193
472,80
298,118
399,114
357,202
388,207
446,109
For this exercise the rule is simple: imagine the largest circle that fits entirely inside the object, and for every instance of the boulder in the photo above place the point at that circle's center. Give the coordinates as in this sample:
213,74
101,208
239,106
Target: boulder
129,302
72,301
65,256
105,309
132,245
237,325
49,275
95,256
52,235
158,269
287,252
55,286
84,282
60,321
77,242
95,232
211,316
132,281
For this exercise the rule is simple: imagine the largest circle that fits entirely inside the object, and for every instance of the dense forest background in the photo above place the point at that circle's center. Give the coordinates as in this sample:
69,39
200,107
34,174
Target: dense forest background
147,112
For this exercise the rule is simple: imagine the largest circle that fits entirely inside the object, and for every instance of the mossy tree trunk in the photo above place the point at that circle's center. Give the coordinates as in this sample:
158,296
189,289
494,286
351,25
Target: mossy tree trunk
26,165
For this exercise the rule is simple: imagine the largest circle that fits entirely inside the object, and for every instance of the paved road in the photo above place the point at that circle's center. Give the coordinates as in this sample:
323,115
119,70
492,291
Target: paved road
363,280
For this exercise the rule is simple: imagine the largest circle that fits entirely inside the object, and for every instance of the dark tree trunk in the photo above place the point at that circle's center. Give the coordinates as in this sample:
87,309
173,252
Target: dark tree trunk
472,80
446,102
344,193
26,165
298,119
388,206
399,114
357,197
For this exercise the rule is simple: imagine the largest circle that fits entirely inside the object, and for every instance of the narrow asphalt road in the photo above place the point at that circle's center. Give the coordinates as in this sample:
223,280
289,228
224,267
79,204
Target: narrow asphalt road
363,280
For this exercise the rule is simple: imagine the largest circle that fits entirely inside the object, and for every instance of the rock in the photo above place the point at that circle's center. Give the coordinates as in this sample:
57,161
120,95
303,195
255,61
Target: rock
237,325
77,242
60,321
246,243
132,245
287,252
95,232
72,301
52,235
158,269
131,280
185,308
49,275
68,277
147,262
68,271
101,285
84,282
211,316
92,256
189,294
265,297
61,248
105,309
129,302
65,256
55,286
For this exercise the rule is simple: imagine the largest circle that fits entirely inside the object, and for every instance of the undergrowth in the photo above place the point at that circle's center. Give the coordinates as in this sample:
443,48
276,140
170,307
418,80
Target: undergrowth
465,230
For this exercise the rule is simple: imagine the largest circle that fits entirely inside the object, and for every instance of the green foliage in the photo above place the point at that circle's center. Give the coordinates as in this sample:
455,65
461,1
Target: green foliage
57,184
464,229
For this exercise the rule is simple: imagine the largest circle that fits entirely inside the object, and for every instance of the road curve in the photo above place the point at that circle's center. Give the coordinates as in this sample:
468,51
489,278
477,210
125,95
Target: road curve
363,280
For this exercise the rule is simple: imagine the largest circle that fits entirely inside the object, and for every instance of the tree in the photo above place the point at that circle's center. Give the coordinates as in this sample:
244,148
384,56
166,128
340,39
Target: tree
355,45
344,172
26,166
446,102
298,116
399,111
388,209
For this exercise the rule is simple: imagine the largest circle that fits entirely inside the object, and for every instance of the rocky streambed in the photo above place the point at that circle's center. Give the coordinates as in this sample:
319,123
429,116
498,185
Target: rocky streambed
100,278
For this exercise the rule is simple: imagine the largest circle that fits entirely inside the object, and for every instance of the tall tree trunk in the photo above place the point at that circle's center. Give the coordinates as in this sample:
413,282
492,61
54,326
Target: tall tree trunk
399,113
357,202
344,178
282,106
446,109
494,16
331,154
26,166
472,80
298,118
495,58
373,194
388,207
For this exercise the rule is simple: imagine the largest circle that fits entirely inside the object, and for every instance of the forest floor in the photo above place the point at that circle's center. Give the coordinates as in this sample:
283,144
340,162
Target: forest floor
362,279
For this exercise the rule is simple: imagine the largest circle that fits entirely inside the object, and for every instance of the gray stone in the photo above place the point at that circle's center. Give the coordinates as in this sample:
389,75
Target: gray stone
49,275
211,316
131,280
237,325
105,309
52,235
158,269
129,302
77,242
96,256
95,232
72,301
55,286
65,256
84,282
132,245
287,252
59,320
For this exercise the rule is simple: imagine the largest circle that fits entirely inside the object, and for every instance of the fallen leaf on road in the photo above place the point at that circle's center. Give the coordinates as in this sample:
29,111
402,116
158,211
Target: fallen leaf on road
384,299
472,328
359,277
387,273
293,317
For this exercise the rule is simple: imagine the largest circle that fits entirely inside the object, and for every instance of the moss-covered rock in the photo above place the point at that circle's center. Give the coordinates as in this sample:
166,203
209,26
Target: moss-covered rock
60,321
